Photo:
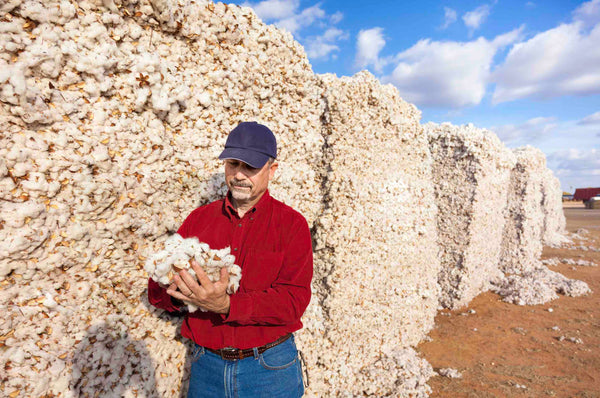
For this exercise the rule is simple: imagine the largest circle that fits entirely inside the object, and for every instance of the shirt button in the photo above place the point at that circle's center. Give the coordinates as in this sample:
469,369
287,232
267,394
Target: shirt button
235,249
239,225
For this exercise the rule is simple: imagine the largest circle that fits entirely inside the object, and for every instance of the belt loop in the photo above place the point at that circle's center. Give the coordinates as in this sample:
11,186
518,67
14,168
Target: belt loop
255,350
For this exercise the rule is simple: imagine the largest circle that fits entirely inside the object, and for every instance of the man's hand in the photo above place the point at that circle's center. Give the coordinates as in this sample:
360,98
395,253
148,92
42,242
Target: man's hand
208,295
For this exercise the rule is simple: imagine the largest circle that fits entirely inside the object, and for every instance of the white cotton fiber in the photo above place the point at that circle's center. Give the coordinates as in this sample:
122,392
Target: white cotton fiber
177,255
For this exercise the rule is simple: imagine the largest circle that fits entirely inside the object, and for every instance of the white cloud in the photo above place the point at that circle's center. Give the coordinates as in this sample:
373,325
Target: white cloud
576,168
449,17
336,17
561,61
588,13
321,47
318,50
474,19
368,45
334,34
307,17
286,14
274,9
508,38
450,74
525,133
594,118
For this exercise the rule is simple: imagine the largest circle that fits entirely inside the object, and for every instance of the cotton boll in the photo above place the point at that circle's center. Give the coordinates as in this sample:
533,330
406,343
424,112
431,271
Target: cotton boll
21,169
201,259
100,153
204,99
162,268
179,260
142,97
235,275
150,266
194,244
173,242
82,289
235,270
17,79
49,301
190,247
177,254
16,355
223,252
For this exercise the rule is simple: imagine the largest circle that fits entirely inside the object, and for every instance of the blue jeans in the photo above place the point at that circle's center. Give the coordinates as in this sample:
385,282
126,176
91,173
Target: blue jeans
277,372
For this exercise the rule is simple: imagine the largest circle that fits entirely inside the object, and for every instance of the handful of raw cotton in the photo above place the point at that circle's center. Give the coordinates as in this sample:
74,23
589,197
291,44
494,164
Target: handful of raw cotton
177,254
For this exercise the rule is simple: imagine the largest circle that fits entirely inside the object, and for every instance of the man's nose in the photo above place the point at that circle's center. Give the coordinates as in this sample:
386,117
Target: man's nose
239,173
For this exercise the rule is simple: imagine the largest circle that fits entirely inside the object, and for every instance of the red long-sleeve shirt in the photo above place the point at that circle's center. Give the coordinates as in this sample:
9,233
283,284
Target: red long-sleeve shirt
272,245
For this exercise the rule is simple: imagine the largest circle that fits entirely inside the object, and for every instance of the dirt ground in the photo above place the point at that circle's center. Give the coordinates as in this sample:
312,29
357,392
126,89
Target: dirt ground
506,350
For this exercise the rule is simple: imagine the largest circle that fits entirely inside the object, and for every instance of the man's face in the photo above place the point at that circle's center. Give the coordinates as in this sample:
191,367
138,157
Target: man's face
246,183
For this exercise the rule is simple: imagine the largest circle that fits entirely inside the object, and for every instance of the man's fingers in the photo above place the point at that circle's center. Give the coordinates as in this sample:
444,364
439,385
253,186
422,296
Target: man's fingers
202,276
187,282
177,294
224,276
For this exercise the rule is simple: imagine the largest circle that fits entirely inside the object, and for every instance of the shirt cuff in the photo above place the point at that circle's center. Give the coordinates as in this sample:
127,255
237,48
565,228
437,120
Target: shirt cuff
159,298
240,308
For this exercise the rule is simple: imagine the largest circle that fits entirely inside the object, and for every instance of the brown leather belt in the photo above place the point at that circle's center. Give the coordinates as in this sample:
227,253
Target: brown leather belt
235,353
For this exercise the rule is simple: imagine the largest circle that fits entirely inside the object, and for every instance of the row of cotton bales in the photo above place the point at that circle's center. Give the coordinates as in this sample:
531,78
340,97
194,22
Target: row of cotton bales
496,209
112,114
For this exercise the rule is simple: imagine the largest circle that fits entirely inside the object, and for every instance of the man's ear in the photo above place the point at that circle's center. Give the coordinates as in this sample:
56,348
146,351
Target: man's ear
272,169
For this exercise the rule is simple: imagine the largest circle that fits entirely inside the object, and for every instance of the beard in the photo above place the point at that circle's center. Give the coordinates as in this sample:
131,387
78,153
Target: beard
240,190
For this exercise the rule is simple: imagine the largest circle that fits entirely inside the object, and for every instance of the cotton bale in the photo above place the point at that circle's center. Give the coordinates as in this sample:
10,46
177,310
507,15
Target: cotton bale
471,171
554,231
375,256
526,280
112,116
522,235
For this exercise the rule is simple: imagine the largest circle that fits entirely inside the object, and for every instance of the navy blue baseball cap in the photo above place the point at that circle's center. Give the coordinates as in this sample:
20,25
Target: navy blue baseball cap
252,143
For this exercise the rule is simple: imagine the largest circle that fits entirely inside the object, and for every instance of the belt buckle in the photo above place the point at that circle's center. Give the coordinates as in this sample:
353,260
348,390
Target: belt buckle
228,350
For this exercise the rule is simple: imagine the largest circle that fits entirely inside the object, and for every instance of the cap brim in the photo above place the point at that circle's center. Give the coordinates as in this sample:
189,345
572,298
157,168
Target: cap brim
253,158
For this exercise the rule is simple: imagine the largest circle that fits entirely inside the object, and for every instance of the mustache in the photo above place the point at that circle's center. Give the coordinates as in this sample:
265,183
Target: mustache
241,184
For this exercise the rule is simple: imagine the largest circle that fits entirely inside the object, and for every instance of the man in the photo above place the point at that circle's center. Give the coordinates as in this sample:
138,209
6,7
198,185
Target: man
243,343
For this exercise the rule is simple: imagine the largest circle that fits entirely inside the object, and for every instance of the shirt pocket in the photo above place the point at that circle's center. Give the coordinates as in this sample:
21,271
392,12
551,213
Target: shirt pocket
260,270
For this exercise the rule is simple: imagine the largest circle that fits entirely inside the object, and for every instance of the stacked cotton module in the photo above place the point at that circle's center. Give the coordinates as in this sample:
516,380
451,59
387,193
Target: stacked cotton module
112,115
527,281
522,236
471,172
376,250
554,231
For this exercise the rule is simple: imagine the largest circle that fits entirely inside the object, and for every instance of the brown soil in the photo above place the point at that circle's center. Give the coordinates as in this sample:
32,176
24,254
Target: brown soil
502,347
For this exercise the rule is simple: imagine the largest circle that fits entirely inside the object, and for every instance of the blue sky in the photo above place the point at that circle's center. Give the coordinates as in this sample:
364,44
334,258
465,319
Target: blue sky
527,70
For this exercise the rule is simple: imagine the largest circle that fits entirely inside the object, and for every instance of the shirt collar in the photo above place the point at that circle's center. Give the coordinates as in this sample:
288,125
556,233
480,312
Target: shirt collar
262,203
